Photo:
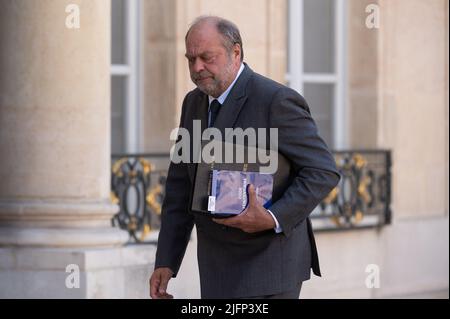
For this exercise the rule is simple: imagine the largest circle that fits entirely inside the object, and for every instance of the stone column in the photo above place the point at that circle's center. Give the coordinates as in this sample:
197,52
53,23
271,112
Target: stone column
55,151
55,126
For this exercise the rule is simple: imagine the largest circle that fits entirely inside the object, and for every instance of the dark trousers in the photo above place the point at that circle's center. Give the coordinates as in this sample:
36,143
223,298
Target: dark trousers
293,294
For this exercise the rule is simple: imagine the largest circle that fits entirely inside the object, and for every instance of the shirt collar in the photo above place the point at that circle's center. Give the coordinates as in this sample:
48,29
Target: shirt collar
224,95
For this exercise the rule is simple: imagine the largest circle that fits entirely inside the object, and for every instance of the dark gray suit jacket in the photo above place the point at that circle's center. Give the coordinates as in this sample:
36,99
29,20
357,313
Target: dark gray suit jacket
233,263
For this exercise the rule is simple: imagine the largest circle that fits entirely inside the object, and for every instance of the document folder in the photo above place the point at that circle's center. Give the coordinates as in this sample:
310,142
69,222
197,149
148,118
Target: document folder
203,189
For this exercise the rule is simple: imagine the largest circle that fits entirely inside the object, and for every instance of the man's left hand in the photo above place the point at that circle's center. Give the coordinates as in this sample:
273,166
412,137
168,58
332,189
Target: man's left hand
254,218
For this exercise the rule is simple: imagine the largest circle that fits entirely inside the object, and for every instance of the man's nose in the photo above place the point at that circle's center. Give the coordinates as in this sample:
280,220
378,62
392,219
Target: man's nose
198,66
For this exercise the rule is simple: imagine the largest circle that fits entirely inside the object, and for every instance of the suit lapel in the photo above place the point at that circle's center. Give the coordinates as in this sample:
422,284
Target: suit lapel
234,103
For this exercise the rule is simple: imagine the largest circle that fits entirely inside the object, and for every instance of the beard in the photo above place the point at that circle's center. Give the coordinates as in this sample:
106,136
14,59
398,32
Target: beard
214,85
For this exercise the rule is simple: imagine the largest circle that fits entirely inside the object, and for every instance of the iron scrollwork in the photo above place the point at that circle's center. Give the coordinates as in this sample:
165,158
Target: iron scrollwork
138,189
361,200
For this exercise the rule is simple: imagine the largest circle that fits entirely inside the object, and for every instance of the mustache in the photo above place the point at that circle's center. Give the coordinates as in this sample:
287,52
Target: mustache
201,75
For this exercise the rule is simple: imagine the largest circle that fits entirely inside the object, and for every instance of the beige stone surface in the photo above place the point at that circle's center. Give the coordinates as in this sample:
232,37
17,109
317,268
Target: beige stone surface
121,272
413,110
54,101
55,126
363,75
415,257
158,74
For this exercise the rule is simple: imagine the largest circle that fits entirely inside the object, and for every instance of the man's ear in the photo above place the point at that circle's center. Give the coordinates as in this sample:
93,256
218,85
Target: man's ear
237,50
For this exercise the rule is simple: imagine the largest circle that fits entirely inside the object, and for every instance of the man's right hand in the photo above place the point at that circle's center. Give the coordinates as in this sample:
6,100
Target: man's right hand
158,283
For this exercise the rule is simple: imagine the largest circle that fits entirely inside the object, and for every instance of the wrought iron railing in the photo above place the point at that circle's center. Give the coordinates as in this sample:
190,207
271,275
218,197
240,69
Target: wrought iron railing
363,197
361,200
138,188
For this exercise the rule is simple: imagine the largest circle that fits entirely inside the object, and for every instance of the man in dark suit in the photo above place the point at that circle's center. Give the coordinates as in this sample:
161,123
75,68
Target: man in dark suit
259,253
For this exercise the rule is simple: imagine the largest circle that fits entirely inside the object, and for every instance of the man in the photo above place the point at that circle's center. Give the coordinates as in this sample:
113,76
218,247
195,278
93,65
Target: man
259,253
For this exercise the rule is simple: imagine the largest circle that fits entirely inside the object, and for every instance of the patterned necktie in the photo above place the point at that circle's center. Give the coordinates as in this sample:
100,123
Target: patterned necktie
214,109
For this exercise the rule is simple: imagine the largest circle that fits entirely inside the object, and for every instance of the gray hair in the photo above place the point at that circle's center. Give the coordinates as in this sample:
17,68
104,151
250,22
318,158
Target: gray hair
226,28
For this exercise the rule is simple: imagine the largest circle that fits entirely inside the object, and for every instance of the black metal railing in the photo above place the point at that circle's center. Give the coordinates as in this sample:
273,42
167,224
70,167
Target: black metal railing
138,188
363,197
361,200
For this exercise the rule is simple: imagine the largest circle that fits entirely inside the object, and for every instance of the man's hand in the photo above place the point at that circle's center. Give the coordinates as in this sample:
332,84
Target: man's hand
254,218
158,283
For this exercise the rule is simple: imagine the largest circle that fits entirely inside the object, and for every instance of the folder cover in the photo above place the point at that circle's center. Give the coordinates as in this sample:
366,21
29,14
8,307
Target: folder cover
231,176
229,195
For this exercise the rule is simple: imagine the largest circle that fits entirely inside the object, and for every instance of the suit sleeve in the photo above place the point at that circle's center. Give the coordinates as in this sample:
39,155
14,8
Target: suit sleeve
176,221
315,168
